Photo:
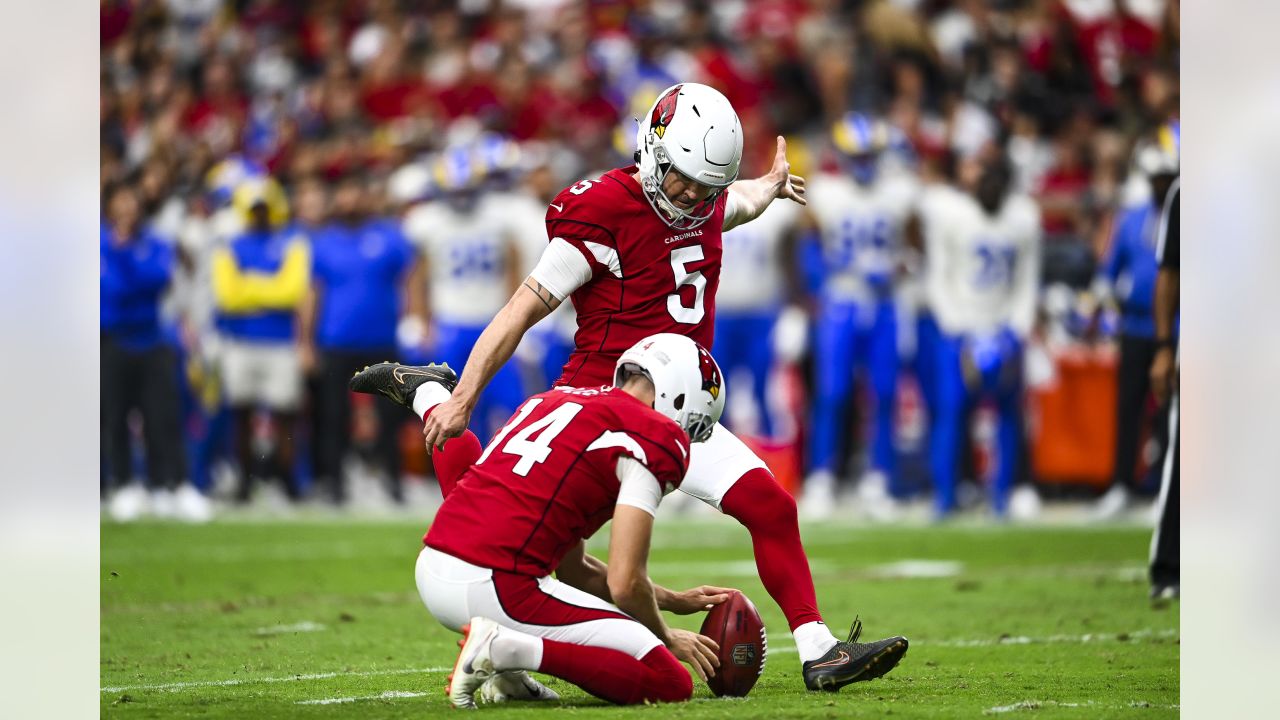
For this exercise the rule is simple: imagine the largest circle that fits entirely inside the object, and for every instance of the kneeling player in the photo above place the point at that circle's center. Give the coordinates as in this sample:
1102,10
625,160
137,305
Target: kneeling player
569,460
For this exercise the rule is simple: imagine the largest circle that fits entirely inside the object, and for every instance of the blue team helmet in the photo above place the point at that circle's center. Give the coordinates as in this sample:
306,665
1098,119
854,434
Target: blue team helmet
457,170
498,155
860,140
228,174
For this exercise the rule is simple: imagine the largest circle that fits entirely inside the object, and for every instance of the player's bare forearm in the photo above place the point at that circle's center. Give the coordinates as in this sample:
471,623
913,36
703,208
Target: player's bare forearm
634,595
754,195
629,584
530,303
1166,303
585,572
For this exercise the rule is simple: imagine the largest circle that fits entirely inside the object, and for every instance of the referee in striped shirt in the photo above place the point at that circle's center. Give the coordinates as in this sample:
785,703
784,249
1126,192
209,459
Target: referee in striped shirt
1164,381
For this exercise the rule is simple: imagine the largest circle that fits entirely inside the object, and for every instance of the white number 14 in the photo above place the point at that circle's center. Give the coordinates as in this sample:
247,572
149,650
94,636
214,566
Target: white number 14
530,449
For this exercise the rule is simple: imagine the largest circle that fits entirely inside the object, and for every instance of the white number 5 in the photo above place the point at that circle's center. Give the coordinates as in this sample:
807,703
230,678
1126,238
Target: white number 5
681,258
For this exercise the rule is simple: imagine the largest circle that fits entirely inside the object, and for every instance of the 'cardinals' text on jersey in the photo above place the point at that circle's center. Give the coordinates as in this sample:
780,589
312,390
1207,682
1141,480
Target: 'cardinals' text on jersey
549,479
647,278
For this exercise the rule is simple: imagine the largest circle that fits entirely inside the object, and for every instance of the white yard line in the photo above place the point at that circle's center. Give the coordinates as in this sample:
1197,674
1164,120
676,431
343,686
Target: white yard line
174,687
300,627
1091,705
1060,639
388,695
911,568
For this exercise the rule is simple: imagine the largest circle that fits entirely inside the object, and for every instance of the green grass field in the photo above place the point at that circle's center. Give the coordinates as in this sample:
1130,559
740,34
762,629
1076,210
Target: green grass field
321,619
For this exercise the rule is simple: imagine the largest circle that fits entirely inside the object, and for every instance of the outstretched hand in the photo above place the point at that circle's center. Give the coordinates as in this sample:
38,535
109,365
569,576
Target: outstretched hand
785,184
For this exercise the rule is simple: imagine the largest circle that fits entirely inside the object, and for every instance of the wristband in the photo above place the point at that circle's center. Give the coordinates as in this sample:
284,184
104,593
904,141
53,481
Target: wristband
1162,343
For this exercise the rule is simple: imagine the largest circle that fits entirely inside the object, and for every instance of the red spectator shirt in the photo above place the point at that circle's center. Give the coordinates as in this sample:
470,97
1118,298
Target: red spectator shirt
647,277
548,479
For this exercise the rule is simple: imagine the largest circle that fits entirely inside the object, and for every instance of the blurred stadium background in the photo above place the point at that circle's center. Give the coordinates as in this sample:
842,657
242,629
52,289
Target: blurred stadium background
351,121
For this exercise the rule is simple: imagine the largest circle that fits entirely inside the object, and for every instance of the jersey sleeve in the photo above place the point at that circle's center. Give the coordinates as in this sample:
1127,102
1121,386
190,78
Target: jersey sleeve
562,269
578,219
661,447
735,210
417,227
637,486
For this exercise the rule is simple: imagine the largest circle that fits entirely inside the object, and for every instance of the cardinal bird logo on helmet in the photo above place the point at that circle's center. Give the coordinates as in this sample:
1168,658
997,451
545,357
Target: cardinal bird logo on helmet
710,372
663,111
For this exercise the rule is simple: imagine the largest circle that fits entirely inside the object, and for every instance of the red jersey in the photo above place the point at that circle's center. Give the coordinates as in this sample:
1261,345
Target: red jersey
549,479
647,277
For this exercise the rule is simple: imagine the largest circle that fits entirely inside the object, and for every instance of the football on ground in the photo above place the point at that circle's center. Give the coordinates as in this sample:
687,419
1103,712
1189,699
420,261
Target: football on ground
737,628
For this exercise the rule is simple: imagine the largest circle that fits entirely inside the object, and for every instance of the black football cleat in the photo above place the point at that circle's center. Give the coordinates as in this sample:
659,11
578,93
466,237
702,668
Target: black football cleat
399,382
852,661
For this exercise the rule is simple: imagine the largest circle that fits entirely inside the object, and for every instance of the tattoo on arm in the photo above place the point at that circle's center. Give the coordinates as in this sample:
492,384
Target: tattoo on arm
543,294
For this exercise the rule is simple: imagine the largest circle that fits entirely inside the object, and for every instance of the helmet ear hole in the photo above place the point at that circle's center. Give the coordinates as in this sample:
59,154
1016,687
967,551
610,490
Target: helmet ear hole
679,402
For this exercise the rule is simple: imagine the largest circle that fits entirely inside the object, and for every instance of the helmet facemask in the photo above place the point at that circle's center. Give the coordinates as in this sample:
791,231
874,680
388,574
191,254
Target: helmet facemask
674,215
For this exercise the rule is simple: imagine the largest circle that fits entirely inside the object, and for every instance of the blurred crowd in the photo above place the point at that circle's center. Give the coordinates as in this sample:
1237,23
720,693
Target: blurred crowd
291,190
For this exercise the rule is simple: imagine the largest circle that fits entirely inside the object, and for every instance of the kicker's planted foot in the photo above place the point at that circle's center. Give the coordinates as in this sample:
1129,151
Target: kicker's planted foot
851,661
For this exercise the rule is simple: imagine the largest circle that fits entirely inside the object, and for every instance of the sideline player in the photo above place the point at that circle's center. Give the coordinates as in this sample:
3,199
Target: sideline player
639,251
860,215
569,461
470,262
983,273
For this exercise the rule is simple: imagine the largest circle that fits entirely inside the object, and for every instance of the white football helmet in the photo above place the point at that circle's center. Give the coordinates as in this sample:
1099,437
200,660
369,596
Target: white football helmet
693,129
687,382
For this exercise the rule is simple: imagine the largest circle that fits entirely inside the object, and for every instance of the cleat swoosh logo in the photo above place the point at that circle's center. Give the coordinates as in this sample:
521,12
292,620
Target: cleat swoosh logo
400,373
844,658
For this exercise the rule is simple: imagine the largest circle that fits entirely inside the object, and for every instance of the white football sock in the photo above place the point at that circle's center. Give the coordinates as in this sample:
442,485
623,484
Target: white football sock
813,640
427,396
514,650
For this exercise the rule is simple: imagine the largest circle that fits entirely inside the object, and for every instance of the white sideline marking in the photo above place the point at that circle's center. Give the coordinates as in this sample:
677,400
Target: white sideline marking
174,687
304,626
777,647
388,695
1037,704
908,569
1060,639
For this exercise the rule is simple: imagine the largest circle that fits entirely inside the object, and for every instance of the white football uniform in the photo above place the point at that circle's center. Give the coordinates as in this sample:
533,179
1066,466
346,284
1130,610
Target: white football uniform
861,230
982,270
751,276
466,255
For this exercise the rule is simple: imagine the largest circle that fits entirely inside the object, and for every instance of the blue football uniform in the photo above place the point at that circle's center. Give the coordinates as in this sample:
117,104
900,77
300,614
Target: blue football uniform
467,251
982,279
860,227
